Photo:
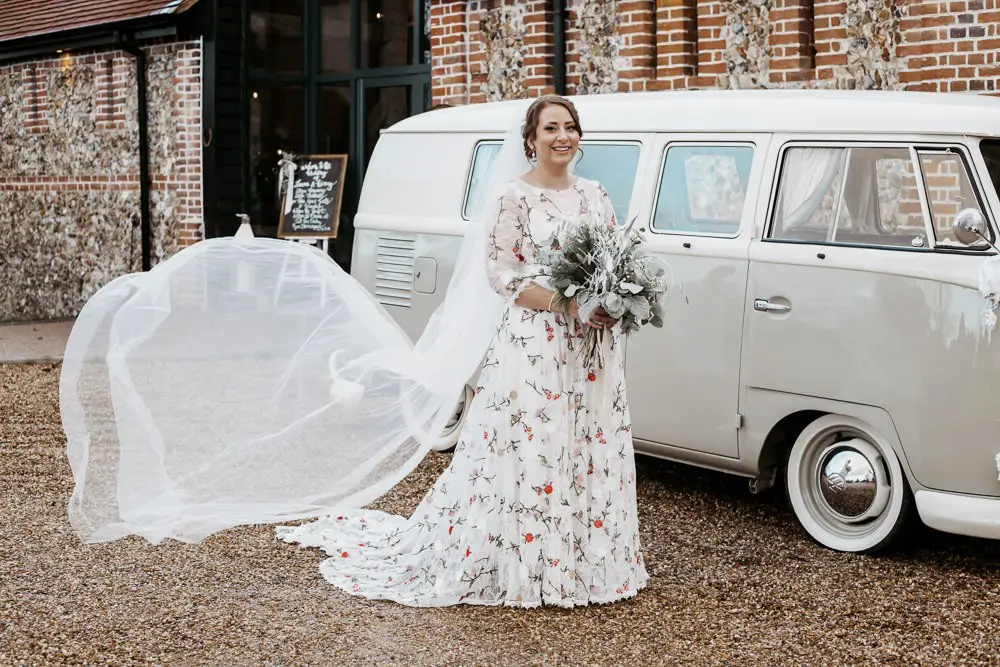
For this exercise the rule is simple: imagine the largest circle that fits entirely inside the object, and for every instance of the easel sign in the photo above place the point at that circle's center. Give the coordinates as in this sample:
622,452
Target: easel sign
311,197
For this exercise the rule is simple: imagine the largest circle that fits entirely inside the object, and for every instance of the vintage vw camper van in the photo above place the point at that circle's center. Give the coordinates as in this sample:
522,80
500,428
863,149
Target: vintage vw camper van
826,327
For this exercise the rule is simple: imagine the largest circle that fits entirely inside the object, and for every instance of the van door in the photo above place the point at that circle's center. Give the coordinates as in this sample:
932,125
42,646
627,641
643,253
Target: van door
860,292
684,378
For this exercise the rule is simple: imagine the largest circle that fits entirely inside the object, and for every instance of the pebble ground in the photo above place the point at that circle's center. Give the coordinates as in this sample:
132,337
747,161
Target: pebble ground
734,582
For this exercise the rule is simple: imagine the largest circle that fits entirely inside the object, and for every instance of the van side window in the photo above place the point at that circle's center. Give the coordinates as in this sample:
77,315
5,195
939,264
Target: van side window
614,165
703,189
869,196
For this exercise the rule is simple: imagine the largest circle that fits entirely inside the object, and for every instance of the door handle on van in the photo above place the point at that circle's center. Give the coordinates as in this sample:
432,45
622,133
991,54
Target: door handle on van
765,306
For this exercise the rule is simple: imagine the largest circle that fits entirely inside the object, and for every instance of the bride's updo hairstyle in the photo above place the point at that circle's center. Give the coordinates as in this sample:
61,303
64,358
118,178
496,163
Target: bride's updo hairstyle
535,110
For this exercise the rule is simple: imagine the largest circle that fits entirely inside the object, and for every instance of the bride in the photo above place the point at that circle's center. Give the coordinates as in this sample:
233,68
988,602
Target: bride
538,505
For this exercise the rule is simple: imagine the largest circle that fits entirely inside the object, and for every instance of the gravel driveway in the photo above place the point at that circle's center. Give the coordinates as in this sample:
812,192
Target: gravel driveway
734,582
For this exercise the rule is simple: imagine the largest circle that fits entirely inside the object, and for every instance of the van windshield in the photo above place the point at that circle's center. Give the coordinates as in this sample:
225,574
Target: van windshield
613,164
991,155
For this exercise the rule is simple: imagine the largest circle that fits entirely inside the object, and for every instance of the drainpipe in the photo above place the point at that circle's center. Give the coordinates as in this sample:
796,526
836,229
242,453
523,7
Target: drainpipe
145,224
559,46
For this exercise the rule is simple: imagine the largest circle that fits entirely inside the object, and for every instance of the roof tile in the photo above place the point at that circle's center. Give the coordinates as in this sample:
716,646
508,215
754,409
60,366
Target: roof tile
31,18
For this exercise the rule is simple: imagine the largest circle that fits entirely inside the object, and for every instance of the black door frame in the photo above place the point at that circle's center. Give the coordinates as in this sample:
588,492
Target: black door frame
418,84
312,79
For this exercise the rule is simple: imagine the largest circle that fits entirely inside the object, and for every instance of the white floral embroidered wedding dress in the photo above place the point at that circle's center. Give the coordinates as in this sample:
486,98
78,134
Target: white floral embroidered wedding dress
538,504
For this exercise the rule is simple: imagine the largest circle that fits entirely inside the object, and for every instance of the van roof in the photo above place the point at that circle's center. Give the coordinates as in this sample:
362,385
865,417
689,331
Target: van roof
773,110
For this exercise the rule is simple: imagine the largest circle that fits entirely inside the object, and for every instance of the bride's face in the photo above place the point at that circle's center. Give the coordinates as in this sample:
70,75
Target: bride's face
556,137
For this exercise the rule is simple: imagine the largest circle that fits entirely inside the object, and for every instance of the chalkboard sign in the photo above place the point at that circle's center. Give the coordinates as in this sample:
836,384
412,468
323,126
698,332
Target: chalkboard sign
312,195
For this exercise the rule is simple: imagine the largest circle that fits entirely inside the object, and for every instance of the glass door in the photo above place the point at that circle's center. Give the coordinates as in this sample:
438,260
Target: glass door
383,102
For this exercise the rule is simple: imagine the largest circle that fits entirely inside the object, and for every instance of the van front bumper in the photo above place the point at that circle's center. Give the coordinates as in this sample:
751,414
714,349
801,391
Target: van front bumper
976,516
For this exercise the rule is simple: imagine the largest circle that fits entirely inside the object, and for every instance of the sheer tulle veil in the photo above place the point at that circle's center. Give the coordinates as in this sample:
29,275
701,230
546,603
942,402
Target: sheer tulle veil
247,381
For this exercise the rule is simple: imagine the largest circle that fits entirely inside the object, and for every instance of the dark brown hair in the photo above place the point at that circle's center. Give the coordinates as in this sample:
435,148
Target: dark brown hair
530,128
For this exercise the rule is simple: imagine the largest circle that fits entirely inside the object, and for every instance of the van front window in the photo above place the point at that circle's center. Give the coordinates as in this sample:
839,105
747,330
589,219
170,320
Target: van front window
991,155
614,167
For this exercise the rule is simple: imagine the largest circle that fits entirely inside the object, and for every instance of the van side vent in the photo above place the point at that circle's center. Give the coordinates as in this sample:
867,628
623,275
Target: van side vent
394,270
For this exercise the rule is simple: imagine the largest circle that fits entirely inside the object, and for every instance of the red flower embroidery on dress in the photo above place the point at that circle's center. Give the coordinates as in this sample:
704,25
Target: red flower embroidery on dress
591,377
468,552
450,529
598,524
343,554
529,538
548,488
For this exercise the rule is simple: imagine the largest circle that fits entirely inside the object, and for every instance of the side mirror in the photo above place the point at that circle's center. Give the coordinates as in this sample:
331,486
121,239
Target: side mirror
970,226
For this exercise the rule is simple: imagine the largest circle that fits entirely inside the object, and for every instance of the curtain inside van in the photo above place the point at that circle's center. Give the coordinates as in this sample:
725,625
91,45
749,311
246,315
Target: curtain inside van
806,177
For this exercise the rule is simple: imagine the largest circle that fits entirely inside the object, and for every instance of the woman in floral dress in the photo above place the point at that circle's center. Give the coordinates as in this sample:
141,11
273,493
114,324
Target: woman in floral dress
538,505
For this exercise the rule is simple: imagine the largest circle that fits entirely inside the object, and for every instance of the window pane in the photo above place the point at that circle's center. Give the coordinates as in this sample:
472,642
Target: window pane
425,32
335,24
386,33
871,193
991,155
899,212
949,190
335,119
482,164
614,167
384,107
275,124
703,189
276,35
808,193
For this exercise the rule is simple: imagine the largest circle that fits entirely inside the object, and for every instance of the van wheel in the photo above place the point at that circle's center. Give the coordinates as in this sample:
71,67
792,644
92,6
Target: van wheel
449,438
846,486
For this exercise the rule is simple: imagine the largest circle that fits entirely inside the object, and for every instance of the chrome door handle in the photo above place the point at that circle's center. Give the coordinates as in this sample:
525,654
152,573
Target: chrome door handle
765,306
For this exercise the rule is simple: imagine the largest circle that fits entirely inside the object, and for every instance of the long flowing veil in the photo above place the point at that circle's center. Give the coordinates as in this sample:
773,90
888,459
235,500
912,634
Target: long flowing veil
253,381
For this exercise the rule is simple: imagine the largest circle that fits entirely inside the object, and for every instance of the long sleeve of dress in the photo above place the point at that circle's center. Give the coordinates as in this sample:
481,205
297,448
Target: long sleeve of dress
607,208
506,265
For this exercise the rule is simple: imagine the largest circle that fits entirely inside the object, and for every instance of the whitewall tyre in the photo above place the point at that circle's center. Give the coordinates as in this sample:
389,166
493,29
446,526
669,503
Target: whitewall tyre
846,486
449,438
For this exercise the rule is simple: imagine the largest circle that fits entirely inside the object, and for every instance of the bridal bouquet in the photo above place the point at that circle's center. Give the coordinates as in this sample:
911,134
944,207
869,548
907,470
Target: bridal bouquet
606,267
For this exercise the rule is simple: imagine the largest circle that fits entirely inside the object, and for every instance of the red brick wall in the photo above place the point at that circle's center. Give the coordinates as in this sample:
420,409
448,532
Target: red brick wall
671,44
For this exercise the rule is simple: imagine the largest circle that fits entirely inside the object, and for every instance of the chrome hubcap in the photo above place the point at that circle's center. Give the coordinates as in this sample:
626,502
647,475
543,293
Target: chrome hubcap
848,482
845,483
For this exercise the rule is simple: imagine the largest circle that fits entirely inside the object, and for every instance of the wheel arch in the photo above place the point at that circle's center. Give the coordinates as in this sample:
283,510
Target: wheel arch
775,419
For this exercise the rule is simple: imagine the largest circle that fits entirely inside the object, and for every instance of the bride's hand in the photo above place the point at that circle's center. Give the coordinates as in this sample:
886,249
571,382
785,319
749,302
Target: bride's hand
600,319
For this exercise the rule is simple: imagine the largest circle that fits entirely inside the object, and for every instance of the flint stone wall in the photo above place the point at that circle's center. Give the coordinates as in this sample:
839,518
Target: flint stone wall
69,174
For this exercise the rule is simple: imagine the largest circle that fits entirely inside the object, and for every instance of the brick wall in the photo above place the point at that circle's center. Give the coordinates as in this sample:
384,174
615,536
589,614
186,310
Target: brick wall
69,172
632,45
